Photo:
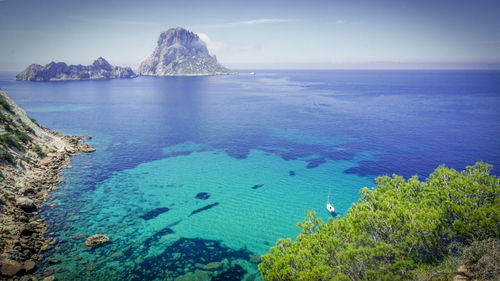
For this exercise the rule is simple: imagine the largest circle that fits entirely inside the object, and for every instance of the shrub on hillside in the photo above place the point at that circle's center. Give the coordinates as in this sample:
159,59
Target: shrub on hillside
393,230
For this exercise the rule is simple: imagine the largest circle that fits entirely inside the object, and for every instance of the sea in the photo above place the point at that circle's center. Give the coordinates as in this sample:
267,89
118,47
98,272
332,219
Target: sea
193,178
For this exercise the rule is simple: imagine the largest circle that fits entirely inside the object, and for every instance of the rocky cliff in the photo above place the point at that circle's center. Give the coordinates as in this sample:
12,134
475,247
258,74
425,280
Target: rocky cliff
99,69
181,52
31,158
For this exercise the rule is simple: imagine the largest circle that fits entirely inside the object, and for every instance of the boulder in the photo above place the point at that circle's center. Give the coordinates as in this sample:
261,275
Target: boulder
27,230
29,265
28,277
96,240
10,267
25,204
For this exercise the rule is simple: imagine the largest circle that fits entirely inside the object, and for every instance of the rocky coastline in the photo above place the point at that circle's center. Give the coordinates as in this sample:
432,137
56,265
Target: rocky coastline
28,173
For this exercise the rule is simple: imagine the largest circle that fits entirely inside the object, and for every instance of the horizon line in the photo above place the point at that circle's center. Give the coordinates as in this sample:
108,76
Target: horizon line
376,65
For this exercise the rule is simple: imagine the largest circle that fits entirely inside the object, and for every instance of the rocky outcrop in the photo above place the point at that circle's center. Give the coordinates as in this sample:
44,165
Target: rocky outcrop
181,53
99,69
96,240
31,158
10,267
26,204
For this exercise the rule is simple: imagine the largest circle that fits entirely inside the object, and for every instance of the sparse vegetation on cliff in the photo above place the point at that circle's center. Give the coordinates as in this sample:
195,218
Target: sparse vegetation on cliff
30,160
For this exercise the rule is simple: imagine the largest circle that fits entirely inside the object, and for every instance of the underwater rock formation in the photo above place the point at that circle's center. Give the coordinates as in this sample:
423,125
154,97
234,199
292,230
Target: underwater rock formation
204,208
257,186
154,213
96,240
202,196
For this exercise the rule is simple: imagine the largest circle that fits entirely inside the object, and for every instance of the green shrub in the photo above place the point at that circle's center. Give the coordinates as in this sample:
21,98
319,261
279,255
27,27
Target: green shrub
22,136
5,155
9,140
2,244
34,121
5,104
4,118
8,127
394,230
39,151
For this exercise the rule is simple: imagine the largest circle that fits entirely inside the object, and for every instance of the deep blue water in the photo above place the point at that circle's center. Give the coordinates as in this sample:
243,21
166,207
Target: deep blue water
261,149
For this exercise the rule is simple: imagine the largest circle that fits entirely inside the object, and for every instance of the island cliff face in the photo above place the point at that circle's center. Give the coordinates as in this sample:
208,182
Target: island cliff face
31,157
181,53
99,69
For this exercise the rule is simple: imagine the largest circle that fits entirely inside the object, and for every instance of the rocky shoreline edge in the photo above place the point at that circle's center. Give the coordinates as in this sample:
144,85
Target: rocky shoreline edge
26,178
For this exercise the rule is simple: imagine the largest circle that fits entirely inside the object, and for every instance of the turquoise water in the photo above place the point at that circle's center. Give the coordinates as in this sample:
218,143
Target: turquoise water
193,177
259,199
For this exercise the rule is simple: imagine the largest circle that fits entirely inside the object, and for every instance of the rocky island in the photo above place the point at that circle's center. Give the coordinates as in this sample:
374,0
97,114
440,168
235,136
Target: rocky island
31,157
181,53
58,71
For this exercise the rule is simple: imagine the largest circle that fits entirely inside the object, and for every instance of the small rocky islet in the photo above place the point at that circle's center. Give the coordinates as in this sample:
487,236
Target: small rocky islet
60,71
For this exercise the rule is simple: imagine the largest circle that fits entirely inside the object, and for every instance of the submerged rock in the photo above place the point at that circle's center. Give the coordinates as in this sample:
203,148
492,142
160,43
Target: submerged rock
10,267
204,208
96,240
255,259
202,196
154,213
212,265
257,186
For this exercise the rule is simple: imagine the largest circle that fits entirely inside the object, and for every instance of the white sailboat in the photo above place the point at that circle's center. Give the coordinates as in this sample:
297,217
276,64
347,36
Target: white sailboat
329,206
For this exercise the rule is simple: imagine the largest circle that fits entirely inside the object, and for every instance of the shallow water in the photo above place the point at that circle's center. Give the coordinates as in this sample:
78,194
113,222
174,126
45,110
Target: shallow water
195,176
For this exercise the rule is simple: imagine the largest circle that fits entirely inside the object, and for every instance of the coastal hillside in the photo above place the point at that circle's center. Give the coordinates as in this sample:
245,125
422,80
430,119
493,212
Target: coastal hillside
181,52
31,157
444,228
60,71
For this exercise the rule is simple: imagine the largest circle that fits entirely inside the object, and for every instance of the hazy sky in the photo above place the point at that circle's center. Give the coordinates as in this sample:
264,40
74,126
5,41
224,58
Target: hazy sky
243,34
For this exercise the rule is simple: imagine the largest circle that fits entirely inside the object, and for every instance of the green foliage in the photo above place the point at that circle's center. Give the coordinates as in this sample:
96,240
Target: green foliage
393,230
2,244
22,136
34,121
11,140
5,104
38,150
4,118
5,155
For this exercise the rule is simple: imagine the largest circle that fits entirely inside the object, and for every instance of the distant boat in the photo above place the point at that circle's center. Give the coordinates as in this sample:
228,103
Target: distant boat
329,206
252,73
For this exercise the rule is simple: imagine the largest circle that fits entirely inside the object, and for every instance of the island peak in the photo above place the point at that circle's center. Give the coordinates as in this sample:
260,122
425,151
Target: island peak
180,52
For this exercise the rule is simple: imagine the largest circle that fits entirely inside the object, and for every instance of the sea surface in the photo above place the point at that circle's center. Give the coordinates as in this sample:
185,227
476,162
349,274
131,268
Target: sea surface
195,177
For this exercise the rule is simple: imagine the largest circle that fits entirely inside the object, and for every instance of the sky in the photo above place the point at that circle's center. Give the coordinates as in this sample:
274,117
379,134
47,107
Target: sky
257,34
